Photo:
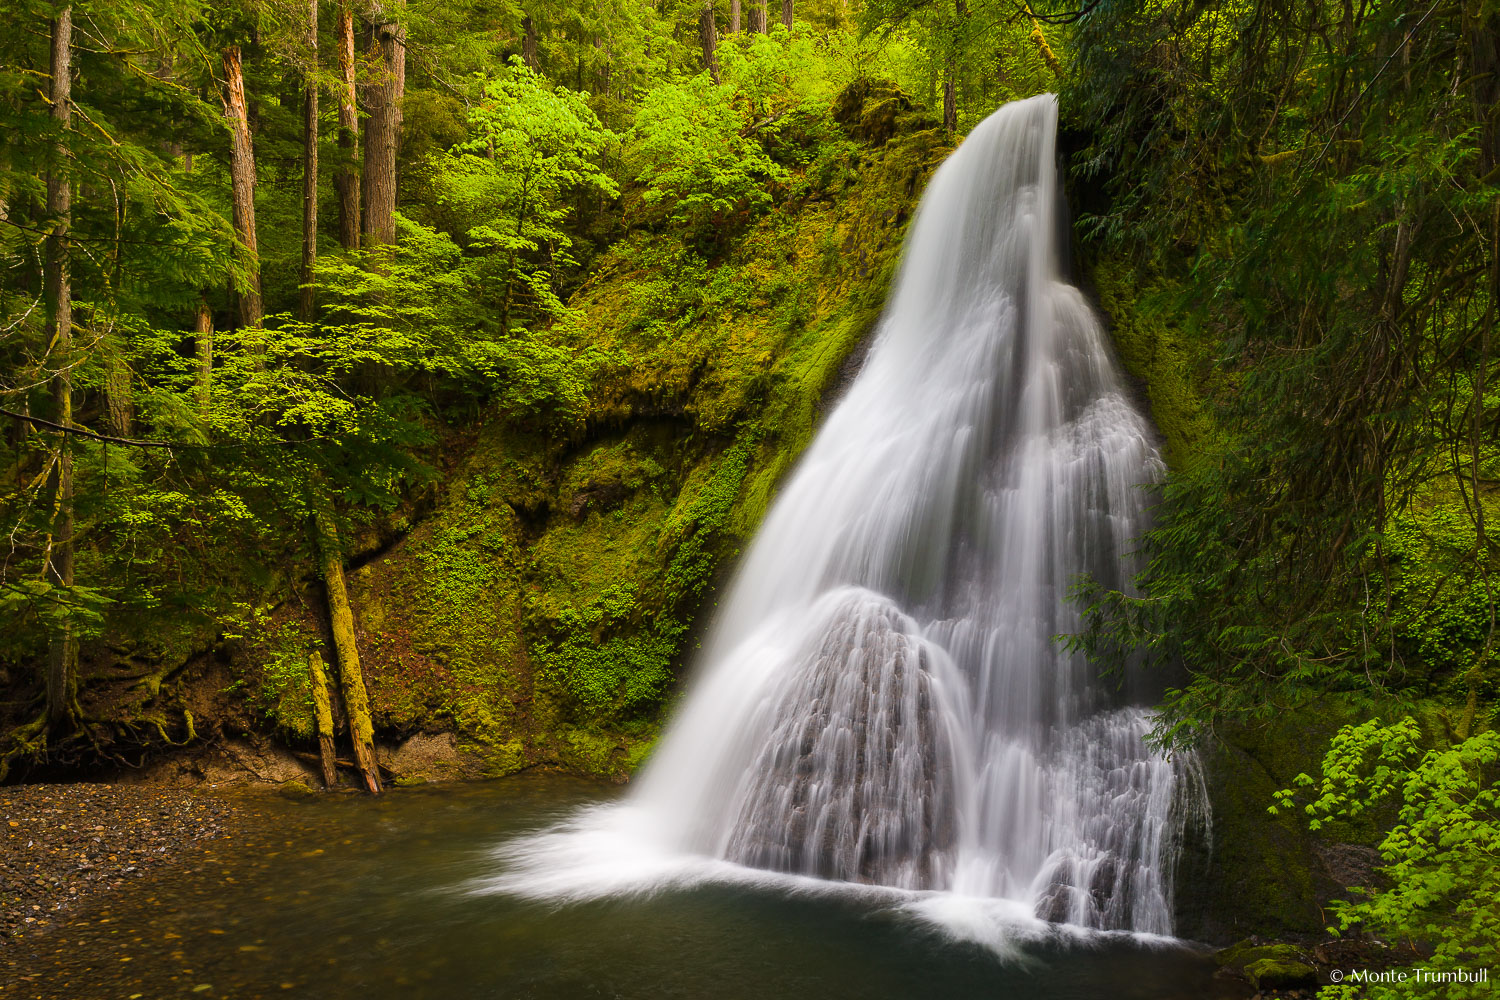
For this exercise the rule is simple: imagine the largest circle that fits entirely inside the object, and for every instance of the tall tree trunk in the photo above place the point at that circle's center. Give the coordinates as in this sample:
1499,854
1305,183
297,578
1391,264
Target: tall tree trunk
242,186
759,15
119,404
309,166
62,654
528,43
950,99
346,178
341,622
708,34
786,14
323,719
203,343
734,17
383,98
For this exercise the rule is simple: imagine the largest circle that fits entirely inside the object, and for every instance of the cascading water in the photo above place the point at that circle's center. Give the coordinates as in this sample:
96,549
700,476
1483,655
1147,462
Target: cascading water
882,698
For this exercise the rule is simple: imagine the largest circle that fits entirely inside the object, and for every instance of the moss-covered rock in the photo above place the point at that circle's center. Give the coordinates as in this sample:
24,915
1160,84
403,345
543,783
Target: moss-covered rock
1269,966
295,790
1280,974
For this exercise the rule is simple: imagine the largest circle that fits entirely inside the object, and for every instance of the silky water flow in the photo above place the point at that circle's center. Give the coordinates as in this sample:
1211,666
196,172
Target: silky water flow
881,701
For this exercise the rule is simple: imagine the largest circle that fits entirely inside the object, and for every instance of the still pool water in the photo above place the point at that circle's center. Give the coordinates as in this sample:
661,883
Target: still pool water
366,900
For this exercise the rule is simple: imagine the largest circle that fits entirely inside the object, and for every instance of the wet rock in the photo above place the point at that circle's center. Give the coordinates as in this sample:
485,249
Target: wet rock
294,790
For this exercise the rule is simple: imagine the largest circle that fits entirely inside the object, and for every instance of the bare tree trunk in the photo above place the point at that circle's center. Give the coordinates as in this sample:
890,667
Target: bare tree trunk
708,34
323,719
62,654
786,14
203,342
346,178
310,167
383,99
759,17
341,621
242,186
528,43
734,17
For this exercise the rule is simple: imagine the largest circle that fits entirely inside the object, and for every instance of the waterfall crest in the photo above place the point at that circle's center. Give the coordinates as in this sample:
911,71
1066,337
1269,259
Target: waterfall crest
881,699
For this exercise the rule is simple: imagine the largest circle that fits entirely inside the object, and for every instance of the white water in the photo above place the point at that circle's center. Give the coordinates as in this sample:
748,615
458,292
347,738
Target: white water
881,700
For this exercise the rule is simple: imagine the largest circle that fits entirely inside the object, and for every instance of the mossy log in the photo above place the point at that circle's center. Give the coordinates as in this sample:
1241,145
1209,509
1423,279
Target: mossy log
323,718
352,678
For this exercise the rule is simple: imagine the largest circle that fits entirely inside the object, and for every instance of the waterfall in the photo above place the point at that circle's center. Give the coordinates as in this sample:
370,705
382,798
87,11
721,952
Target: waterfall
881,699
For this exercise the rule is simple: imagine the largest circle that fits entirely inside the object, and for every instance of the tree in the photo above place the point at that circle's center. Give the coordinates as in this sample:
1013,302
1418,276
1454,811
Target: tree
345,645
383,98
1441,881
346,177
62,661
242,183
1330,235
528,43
309,165
689,148
532,148
708,38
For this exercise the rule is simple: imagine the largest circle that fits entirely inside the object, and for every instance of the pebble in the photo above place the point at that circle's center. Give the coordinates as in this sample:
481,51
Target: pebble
60,844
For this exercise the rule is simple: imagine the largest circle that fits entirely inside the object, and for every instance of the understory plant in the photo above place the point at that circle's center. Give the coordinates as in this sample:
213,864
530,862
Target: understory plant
1439,858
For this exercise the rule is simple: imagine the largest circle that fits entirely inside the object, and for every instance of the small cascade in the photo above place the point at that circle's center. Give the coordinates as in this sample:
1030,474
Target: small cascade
882,699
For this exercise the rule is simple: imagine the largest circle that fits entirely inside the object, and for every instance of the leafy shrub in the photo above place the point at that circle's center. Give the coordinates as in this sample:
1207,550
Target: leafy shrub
1439,856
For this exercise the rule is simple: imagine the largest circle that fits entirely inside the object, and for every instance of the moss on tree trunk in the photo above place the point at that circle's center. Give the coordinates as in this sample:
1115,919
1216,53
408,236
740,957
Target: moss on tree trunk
323,718
341,622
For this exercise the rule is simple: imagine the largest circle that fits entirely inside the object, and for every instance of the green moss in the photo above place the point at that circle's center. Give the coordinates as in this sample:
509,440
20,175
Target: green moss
544,604
1157,347
501,759
1269,966
279,682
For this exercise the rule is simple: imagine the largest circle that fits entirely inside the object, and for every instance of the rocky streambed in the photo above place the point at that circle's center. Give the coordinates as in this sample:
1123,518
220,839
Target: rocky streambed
61,844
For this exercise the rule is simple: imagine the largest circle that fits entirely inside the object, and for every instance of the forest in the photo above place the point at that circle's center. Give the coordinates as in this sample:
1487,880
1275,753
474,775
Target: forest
386,370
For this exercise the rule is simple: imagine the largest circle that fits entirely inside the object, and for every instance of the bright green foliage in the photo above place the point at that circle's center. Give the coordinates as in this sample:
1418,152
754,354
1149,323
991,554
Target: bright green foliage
1439,856
985,49
533,152
687,149
774,72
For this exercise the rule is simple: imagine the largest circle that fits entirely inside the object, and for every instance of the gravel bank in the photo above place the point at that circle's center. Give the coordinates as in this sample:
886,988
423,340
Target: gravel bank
63,843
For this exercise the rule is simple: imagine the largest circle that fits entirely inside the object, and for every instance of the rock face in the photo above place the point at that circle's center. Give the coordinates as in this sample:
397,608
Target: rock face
1262,874
429,757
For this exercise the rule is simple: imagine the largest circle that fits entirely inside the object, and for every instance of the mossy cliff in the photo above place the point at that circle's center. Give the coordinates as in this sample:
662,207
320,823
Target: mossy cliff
546,603
1258,873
